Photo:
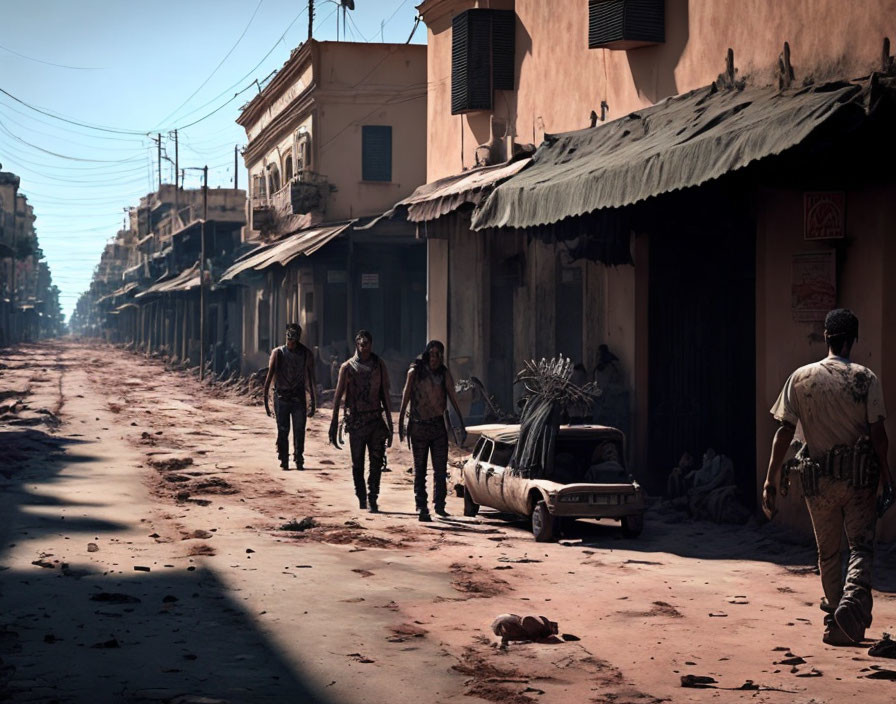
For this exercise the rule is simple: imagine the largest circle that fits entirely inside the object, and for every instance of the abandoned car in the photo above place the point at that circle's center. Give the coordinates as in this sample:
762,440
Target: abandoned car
586,478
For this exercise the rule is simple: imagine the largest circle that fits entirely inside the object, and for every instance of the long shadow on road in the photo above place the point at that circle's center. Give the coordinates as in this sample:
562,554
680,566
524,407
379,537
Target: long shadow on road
70,633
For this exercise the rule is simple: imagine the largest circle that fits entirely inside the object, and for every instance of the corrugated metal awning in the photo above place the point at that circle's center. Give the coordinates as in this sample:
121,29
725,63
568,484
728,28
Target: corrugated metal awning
306,242
433,200
184,281
679,143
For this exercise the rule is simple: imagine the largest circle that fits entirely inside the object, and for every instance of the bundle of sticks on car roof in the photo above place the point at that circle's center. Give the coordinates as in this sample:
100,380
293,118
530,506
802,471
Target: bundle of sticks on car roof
549,391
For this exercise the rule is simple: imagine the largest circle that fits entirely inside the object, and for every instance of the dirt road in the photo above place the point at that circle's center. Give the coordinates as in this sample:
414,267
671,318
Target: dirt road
144,557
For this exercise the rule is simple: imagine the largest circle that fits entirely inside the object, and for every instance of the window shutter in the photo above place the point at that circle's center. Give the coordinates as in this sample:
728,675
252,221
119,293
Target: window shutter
471,61
482,57
625,24
503,44
376,153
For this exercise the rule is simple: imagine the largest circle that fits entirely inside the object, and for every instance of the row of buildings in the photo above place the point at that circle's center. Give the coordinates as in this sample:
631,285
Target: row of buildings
709,179
29,301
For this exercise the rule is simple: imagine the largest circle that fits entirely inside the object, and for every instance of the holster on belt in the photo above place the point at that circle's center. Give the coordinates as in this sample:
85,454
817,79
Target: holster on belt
855,464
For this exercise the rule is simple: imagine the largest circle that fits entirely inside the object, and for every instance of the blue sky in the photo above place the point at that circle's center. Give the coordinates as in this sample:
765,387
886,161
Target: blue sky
136,69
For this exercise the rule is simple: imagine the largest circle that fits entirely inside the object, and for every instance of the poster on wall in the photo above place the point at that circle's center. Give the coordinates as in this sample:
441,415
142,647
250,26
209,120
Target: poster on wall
824,215
370,280
814,289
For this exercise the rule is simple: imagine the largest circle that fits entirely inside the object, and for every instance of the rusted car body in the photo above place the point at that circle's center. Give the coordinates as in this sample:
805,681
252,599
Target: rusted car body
578,484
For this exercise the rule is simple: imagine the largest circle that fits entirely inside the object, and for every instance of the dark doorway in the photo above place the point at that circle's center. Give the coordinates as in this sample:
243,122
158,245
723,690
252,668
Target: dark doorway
702,341
569,312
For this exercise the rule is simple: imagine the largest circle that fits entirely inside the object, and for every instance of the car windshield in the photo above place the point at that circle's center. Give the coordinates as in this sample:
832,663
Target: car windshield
588,460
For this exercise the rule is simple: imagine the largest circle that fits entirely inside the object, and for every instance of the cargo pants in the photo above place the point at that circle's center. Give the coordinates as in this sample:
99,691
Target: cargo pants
838,507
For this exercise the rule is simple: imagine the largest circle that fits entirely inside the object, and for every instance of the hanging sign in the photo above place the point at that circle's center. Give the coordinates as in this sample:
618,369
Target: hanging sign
824,215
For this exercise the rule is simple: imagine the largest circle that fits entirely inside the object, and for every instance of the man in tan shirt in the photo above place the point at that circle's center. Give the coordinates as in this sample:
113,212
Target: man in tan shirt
839,406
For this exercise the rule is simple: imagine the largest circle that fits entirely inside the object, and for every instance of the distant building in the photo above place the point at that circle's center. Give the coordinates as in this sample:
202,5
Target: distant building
29,302
336,137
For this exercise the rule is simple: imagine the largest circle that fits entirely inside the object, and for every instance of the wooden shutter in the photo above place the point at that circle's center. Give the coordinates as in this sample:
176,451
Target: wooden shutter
376,153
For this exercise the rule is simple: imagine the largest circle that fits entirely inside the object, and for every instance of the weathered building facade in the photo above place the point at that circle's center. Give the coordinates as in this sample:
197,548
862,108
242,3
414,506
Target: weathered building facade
704,271
145,291
336,137
29,302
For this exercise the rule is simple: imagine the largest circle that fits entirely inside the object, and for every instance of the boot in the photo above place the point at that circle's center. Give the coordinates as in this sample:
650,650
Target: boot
374,507
362,502
424,516
441,511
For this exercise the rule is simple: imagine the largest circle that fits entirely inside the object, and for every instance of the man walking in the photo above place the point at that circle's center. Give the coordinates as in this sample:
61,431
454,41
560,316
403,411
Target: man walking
291,368
840,407
364,381
428,389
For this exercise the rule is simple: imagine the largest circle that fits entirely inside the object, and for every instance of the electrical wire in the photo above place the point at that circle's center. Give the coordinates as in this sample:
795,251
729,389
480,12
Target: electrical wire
50,63
254,68
63,156
43,111
220,63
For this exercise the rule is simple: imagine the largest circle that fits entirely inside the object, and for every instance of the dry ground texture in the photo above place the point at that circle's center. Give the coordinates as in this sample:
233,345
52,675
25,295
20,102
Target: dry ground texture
146,556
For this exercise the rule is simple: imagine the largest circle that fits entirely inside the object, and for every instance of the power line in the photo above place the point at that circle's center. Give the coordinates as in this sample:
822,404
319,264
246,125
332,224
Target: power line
50,63
226,56
73,122
254,68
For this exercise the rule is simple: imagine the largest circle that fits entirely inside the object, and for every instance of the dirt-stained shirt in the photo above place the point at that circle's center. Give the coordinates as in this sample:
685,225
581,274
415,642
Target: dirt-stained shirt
289,373
833,400
363,383
429,398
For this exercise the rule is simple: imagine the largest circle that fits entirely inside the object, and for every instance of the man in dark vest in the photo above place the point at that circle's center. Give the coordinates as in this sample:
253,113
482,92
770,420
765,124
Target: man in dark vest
291,368
428,389
364,382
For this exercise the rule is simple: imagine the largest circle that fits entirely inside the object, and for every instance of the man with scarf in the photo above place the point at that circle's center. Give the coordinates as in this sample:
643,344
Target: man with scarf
291,368
840,407
428,389
364,381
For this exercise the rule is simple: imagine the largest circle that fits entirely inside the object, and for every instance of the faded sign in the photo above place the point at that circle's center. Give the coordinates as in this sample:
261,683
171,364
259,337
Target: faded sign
814,290
370,280
336,276
824,215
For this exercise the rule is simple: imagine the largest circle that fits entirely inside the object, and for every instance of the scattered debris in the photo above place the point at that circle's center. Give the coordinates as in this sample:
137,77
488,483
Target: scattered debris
92,547
115,598
884,648
304,524
510,627
113,643
141,568
698,681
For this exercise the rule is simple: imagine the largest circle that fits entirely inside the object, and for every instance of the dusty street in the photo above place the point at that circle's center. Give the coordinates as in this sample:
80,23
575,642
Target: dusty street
146,557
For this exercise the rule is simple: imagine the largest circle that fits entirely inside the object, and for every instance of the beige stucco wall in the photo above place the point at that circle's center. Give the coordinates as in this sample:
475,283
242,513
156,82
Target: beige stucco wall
352,85
783,345
370,84
560,81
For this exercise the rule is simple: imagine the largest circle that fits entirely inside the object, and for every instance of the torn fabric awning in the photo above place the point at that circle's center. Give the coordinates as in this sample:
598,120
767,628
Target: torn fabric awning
433,200
679,143
305,242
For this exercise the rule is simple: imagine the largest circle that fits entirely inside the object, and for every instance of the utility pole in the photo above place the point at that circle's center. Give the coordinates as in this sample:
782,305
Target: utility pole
202,274
310,18
159,147
236,164
176,189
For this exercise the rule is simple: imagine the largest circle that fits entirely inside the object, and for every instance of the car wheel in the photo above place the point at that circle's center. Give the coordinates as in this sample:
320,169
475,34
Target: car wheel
544,525
471,508
633,525
459,490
